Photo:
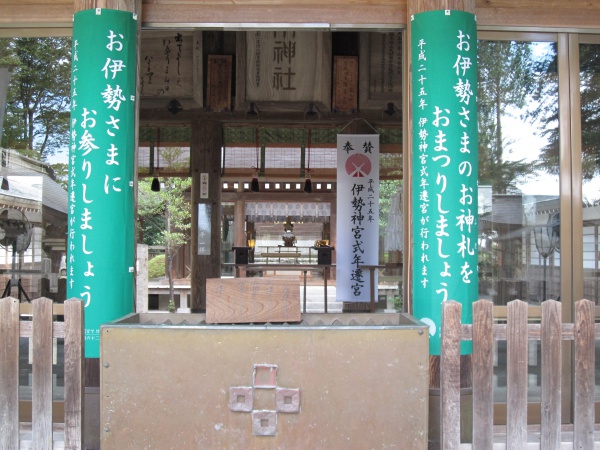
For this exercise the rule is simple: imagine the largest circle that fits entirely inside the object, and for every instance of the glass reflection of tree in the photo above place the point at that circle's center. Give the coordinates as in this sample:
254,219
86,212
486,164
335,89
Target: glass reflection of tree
547,114
507,78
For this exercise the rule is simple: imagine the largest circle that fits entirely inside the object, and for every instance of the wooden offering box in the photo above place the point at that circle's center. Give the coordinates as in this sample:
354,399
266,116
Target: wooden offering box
252,300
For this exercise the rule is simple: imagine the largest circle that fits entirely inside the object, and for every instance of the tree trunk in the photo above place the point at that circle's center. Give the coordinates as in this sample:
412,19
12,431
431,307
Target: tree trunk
169,255
30,129
169,260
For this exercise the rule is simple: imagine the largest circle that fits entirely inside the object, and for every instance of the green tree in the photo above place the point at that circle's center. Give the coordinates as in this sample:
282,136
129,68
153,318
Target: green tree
387,190
166,215
61,174
37,110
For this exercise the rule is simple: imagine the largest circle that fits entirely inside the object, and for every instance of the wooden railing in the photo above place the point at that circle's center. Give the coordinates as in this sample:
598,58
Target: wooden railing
38,324
517,332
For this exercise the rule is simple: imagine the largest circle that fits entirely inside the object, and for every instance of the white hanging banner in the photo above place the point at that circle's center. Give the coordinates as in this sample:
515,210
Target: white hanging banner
357,215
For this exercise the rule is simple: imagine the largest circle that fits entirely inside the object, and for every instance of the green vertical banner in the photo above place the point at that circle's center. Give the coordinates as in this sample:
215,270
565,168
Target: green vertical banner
444,111
101,240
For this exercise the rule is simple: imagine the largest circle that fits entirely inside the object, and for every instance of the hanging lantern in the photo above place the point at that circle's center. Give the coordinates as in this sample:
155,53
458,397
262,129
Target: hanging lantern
254,186
308,181
155,186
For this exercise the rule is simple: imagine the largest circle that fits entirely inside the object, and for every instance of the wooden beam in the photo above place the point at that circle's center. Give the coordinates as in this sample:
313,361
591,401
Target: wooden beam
546,17
539,4
23,15
366,13
277,197
54,18
134,6
207,138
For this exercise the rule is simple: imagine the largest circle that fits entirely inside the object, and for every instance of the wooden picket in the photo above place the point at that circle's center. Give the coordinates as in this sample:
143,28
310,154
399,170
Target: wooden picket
517,332
41,433
483,375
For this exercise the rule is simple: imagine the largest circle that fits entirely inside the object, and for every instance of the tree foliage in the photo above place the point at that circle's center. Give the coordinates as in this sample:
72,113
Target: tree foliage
61,174
387,190
37,110
170,208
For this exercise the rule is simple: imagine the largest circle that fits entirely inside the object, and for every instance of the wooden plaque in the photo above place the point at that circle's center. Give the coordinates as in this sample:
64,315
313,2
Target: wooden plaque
380,69
218,83
283,69
345,83
252,300
166,65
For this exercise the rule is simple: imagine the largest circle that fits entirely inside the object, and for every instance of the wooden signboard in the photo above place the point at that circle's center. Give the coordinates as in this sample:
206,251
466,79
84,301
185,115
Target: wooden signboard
252,300
218,83
168,66
345,83
287,67
380,69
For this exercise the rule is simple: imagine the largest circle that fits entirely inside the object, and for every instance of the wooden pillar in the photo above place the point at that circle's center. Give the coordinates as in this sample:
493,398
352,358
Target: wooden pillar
333,234
415,7
239,219
141,282
91,423
240,236
207,140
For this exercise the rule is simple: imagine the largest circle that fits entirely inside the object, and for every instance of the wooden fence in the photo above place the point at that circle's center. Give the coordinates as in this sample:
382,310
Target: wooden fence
42,329
517,332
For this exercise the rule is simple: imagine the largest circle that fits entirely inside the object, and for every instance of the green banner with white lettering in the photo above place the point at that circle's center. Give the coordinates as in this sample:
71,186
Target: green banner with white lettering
101,240
444,110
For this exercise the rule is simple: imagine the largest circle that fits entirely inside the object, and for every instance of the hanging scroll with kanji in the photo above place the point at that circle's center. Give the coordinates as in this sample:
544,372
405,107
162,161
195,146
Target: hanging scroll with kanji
170,66
357,214
381,69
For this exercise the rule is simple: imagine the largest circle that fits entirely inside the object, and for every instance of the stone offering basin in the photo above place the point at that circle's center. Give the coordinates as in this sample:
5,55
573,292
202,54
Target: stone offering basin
332,381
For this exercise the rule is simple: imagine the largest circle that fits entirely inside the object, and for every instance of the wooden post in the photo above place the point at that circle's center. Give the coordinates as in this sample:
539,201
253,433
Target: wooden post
239,218
450,375
584,375
240,238
9,373
483,374
551,374
207,139
74,375
41,401
516,395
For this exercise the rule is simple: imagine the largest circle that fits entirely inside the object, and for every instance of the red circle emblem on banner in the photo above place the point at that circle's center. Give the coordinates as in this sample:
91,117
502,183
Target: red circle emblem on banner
358,165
